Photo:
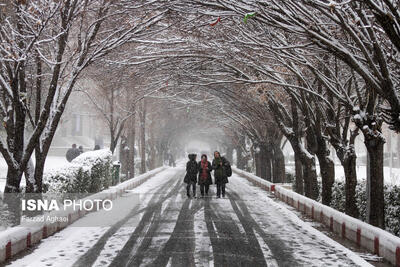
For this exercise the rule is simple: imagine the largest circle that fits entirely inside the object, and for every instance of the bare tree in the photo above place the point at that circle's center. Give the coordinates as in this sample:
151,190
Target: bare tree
55,42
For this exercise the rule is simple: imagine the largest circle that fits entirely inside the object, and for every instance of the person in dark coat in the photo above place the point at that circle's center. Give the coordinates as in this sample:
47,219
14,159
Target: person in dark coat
218,165
80,149
191,174
205,180
72,153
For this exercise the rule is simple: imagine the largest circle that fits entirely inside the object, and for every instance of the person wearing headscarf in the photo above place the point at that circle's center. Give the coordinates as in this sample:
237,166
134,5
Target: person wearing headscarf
191,175
204,180
218,165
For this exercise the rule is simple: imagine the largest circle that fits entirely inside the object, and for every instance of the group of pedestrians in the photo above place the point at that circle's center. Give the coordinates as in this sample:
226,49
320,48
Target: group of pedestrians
200,173
74,152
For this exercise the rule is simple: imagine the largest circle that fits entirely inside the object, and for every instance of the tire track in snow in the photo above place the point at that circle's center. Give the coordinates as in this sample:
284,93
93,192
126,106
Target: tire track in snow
287,235
278,248
180,247
90,257
203,250
159,218
232,243
150,212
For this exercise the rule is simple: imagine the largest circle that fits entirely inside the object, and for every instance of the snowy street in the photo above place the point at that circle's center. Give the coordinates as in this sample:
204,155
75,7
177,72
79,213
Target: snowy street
165,228
111,110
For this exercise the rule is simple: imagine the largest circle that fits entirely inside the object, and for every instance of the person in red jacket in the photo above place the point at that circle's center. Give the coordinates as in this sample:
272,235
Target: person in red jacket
204,180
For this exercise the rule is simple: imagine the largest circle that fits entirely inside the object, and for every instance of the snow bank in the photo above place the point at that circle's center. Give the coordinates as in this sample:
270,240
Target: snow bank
374,239
91,157
90,172
391,176
19,238
255,179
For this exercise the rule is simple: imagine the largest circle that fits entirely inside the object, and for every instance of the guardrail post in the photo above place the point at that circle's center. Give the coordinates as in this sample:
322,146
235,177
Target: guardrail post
376,245
343,230
44,232
8,250
29,240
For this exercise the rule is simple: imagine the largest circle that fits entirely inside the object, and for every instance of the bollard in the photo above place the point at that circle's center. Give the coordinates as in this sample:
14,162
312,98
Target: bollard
115,172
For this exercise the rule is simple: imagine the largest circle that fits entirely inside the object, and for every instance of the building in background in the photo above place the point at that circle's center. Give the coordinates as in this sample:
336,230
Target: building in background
81,125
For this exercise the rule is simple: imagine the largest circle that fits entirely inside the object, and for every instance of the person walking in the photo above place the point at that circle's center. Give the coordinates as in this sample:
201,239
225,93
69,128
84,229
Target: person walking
205,180
221,169
72,153
171,160
191,175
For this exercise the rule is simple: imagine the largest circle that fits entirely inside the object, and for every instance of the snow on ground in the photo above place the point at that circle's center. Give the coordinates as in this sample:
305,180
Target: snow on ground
392,178
66,246
203,249
52,163
308,244
269,257
155,224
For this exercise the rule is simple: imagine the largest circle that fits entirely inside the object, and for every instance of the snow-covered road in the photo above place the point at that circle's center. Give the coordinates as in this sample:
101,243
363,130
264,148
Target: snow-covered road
155,224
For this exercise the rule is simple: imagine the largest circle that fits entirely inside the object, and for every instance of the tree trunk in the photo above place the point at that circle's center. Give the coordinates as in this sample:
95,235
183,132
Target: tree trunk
16,142
143,137
113,145
111,125
398,152
239,158
229,153
257,163
279,174
160,161
30,188
30,182
12,209
345,151
40,160
307,170
299,174
310,177
327,168
124,155
12,197
152,157
131,143
268,163
374,146
349,166
263,161
13,180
